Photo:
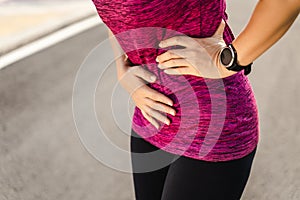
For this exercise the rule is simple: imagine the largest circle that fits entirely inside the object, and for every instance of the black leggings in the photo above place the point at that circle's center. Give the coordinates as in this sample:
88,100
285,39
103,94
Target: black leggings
187,178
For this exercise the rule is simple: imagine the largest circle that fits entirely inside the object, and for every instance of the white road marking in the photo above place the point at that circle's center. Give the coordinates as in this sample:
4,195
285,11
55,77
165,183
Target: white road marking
48,41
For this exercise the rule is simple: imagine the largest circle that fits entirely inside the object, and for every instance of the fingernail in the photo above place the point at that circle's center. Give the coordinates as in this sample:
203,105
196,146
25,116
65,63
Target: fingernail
173,113
156,59
170,104
153,78
168,122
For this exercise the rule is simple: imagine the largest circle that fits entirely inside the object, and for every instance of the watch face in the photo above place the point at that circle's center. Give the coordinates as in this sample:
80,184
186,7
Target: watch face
226,56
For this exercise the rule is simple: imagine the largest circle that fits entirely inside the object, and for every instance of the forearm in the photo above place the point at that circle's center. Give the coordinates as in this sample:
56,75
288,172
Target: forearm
268,23
120,64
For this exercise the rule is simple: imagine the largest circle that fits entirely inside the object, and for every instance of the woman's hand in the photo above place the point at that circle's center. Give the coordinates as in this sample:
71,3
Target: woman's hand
200,57
149,101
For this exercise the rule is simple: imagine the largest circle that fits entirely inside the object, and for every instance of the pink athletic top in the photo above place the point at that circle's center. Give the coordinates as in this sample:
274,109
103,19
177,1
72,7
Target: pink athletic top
216,119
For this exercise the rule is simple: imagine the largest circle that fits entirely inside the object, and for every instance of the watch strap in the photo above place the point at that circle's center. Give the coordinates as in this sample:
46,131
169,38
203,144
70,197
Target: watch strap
235,66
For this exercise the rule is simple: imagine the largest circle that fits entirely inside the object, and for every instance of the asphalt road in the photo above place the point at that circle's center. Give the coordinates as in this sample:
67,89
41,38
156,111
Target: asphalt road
41,156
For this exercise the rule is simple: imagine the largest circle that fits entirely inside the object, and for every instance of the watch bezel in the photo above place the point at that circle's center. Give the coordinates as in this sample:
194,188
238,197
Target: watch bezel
232,56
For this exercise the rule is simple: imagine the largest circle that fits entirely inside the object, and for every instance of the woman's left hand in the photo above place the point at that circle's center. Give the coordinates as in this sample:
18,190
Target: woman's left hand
200,57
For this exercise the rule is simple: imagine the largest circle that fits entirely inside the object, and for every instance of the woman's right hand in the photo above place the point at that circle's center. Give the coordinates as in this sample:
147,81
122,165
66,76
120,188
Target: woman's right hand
151,102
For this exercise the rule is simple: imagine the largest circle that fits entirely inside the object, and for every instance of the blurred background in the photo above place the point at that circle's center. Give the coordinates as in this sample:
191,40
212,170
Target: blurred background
42,45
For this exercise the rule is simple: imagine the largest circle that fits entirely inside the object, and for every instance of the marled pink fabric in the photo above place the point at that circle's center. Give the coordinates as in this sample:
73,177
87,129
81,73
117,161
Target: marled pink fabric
234,108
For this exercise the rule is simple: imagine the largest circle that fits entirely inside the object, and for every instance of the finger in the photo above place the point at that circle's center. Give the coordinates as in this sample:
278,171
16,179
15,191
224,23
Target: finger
220,29
173,63
171,54
181,40
178,71
145,74
157,96
157,115
160,106
150,119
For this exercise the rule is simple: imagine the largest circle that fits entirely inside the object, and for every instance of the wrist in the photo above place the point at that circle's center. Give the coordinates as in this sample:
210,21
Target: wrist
242,58
224,72
228,58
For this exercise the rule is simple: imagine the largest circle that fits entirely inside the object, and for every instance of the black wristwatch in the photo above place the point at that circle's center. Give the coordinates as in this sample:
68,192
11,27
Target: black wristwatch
228,58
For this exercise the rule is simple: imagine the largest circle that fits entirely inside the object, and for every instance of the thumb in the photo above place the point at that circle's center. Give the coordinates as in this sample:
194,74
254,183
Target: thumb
220,29
145,74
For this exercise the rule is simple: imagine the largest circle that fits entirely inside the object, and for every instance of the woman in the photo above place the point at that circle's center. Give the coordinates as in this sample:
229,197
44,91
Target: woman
200,107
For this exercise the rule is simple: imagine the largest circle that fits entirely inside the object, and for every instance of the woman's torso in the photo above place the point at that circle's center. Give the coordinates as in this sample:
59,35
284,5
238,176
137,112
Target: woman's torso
217,117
